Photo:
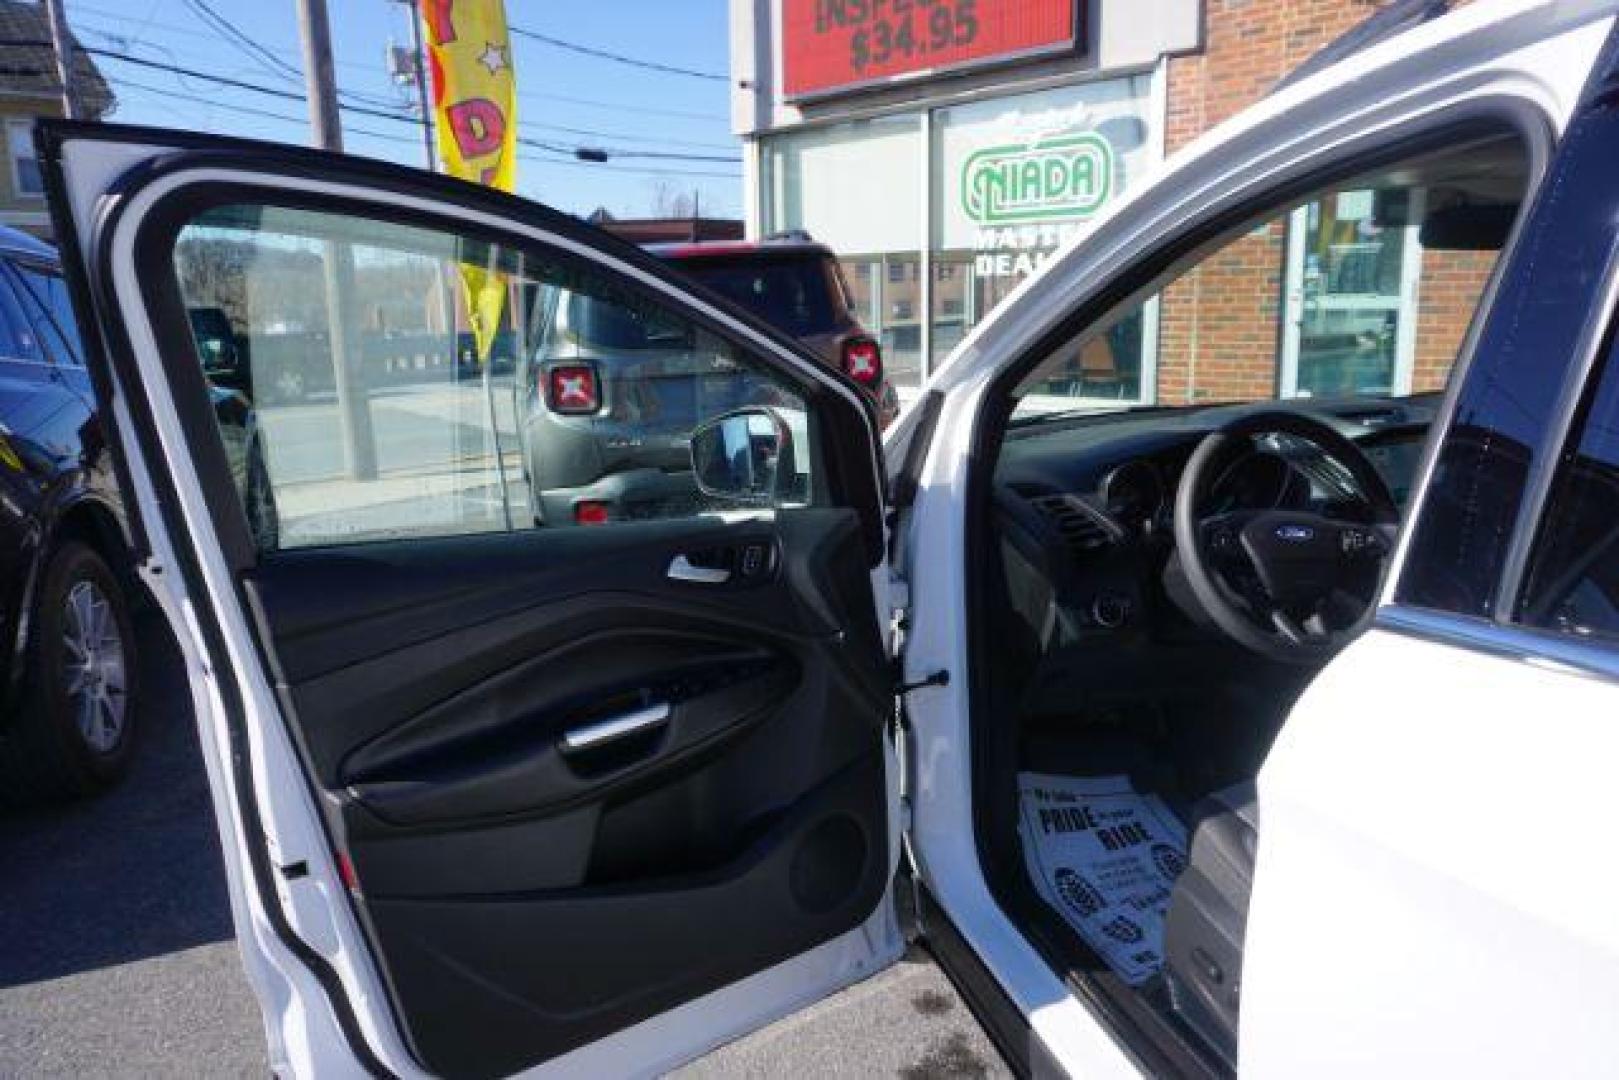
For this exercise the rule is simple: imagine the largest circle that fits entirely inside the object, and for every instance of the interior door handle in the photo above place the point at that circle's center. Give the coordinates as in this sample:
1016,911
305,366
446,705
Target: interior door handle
599,733
682,569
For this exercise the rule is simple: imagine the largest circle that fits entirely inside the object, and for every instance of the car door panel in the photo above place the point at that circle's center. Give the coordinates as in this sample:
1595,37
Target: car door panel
521,889
752,817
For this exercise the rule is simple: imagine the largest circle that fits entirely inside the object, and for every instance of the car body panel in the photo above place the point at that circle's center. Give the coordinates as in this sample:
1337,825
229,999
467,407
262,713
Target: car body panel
1429,897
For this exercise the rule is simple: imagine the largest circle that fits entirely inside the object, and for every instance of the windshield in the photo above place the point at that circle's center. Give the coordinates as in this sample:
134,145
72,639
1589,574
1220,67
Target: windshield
793,295
1364,290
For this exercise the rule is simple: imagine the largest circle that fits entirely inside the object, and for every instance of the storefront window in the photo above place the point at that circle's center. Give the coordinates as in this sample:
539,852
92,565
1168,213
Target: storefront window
856,187
1014,178
1006,182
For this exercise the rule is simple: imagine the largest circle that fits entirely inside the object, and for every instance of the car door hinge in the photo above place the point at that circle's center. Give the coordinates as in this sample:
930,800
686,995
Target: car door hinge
899,610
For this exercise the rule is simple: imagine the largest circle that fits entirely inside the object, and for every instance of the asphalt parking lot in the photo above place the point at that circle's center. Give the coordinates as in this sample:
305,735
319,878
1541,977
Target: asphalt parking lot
118,957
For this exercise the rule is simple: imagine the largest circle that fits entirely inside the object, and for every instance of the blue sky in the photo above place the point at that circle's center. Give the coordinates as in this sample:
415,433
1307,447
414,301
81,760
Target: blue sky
620,107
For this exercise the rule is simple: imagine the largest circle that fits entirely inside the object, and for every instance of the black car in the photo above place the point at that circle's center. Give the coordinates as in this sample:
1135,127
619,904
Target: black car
68,674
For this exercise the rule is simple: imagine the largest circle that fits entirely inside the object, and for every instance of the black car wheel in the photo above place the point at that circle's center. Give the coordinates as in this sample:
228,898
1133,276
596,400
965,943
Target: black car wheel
76,728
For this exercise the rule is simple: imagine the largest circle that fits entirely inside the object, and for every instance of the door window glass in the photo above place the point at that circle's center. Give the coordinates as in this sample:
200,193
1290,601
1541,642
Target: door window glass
1572,584
796,295
357,405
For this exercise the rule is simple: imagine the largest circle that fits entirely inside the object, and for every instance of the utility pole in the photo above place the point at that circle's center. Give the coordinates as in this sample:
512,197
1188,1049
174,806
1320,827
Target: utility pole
62,45
320,83
424,98
353,406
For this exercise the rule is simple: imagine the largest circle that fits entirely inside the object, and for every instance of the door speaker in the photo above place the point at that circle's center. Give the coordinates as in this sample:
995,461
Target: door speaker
829,864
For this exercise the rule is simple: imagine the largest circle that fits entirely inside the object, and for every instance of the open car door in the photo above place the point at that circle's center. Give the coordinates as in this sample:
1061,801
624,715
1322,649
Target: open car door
492,793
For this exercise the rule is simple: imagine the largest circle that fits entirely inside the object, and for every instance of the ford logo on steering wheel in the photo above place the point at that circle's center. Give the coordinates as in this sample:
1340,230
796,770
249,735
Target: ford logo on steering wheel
1295,534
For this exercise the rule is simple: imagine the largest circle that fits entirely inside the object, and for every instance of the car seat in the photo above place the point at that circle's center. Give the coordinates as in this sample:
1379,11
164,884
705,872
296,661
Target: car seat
1208,916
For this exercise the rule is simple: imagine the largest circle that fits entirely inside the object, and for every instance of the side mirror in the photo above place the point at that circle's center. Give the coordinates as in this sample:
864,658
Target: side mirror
744,456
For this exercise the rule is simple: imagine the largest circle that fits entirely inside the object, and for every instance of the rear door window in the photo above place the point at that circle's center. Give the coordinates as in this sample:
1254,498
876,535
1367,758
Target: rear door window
793,295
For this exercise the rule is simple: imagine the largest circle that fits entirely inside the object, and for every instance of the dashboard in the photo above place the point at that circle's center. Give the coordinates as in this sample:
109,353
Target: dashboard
1090,498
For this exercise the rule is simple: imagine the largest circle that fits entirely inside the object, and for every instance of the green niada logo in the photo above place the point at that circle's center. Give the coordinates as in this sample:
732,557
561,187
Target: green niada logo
1069,176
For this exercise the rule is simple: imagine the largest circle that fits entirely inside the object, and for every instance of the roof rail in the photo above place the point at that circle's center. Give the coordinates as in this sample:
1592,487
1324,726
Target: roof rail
800,236
1393,20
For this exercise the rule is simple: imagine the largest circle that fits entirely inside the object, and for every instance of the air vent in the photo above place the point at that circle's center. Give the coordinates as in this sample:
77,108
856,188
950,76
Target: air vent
1082,527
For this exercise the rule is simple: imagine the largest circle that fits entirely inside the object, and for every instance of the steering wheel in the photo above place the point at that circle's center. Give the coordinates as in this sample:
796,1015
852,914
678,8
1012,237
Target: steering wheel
1291,585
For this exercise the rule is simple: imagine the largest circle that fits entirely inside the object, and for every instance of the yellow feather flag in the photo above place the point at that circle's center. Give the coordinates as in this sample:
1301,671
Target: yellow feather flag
475,111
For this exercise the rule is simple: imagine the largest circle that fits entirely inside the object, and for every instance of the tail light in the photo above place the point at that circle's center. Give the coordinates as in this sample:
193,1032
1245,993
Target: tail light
572,389
863,361
590,512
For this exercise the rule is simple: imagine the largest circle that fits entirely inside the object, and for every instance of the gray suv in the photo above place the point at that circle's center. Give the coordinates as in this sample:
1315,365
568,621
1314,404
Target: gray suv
608,397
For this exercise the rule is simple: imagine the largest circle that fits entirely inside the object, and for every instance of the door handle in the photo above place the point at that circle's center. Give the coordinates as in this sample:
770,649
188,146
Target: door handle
683,569
599,733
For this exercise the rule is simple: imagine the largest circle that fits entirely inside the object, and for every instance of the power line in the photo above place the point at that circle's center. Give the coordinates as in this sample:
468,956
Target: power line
399,117
248,110
228,32
186,31
626,136
617,58
651,155
616,106
222,80
564,155
232,35
525,95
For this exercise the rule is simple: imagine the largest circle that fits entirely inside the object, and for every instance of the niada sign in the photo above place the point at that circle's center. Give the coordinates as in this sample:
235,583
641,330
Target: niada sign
1067,177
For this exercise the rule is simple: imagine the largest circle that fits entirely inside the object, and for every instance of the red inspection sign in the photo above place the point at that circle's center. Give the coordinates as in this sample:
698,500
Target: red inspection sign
837,45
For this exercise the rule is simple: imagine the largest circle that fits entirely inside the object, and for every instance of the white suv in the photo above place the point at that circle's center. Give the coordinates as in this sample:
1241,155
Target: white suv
1271,736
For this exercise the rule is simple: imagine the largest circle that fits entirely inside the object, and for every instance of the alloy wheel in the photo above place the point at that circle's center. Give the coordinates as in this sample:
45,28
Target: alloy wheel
94,675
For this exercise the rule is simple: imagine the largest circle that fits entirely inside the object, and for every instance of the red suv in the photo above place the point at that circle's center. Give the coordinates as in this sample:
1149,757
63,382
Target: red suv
795,285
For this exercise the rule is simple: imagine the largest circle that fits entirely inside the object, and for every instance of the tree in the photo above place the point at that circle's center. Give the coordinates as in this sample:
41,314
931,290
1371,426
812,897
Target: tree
669,201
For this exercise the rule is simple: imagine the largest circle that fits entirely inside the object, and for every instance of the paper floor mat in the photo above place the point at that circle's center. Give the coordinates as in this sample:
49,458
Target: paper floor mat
1105,856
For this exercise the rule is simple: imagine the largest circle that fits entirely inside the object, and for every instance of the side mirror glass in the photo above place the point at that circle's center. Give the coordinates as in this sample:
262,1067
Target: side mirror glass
744,456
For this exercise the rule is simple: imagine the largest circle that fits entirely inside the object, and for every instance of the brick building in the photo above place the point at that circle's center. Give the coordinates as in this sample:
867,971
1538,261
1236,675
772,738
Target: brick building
945,149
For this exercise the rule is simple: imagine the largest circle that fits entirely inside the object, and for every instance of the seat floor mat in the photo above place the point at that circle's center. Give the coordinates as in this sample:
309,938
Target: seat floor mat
1104,856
